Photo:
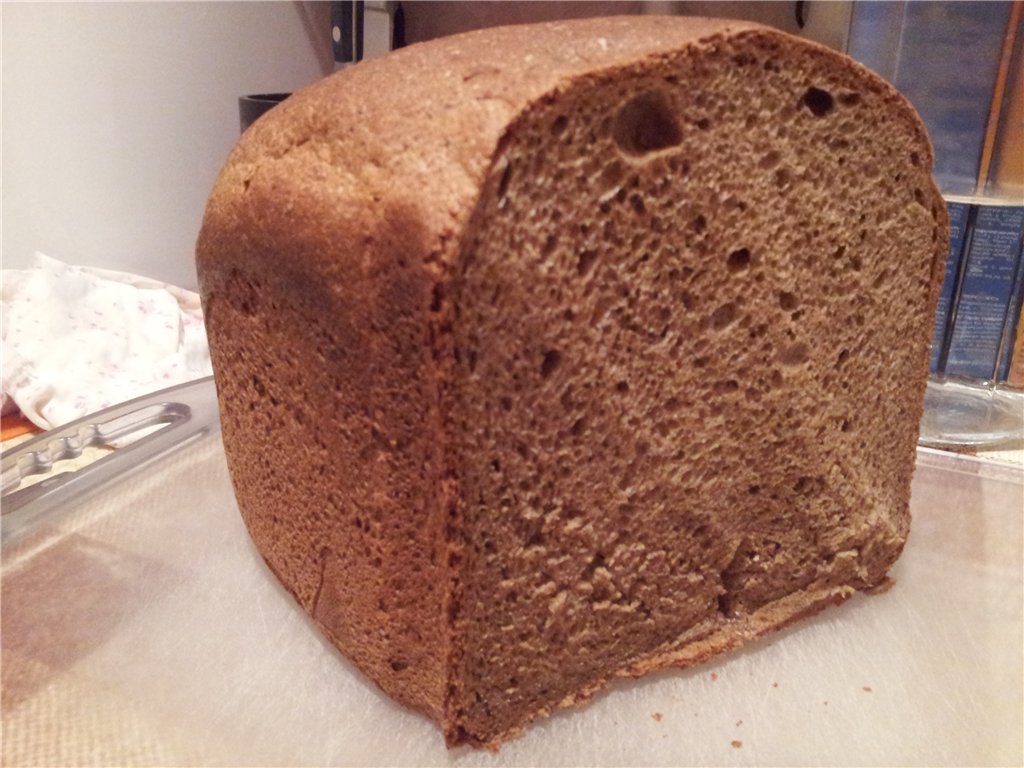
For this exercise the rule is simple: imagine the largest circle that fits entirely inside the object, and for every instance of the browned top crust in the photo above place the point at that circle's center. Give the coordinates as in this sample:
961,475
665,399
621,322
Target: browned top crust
416,131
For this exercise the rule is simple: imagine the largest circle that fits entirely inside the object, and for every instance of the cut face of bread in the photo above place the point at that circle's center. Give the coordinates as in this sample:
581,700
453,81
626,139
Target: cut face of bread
581,365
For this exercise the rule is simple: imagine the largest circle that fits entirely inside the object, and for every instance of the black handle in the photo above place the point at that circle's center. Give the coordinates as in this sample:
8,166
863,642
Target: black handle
347,30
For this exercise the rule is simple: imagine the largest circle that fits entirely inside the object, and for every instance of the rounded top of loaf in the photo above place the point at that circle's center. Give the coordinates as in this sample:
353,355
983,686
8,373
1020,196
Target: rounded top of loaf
409,137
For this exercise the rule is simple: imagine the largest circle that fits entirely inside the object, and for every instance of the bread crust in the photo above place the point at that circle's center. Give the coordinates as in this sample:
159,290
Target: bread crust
329,262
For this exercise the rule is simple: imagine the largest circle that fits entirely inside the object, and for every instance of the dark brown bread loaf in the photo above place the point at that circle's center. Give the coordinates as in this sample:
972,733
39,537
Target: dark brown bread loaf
558,353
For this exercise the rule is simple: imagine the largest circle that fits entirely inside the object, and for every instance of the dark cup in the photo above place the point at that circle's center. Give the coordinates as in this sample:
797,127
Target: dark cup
251,107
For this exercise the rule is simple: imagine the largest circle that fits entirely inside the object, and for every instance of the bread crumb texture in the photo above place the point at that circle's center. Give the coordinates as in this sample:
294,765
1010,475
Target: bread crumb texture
545,360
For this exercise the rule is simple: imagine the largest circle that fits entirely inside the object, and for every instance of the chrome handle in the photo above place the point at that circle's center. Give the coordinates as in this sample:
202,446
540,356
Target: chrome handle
180,415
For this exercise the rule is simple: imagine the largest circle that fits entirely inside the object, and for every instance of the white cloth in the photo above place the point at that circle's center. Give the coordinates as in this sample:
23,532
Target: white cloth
78,339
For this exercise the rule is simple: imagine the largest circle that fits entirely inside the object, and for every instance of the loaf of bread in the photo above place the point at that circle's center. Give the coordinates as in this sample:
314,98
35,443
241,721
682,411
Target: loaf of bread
554,354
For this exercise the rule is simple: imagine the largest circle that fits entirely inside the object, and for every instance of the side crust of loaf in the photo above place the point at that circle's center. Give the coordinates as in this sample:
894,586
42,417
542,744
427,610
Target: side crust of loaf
550,368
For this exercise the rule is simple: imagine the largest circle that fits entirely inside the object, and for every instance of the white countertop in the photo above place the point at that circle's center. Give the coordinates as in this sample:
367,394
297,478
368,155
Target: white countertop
143,628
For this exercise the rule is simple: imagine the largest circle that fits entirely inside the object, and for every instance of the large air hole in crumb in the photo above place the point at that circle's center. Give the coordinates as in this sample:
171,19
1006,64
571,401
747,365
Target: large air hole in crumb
723,317
646,124
738,260
819,101
788,301
769,159
585,261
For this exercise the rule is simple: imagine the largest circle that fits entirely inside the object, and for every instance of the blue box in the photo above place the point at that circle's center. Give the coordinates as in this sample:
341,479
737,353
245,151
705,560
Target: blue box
958,214
982,305
1013,319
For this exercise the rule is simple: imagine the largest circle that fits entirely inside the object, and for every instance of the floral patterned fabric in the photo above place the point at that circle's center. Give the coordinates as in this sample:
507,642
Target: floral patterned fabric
78,339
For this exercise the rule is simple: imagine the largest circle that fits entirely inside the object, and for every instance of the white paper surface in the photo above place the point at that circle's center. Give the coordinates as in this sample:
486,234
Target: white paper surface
143,628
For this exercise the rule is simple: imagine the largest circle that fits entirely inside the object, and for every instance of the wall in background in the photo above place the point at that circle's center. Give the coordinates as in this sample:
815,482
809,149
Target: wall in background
117,117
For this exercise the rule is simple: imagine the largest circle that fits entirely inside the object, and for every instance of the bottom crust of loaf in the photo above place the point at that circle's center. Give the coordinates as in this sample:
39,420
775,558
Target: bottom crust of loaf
704,642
